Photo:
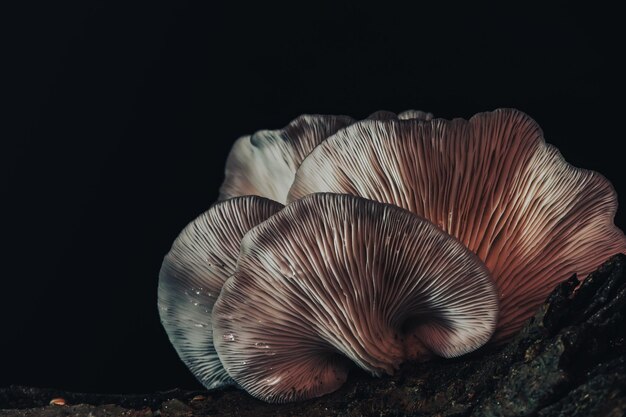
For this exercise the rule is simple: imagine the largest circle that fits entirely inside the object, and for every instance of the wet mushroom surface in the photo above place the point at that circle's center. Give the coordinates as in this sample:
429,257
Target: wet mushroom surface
202,258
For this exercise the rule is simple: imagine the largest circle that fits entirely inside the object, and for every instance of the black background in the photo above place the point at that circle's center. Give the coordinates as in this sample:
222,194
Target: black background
123,116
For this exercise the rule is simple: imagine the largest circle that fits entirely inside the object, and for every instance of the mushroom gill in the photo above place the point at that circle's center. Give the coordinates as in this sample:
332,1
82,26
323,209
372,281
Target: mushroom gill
191,277
333,279
493,183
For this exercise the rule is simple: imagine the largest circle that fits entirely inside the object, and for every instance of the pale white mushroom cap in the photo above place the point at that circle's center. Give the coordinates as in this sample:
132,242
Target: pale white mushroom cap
265,163
192,274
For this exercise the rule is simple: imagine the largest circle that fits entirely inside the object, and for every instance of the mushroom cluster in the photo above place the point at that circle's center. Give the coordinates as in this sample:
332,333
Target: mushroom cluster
339,242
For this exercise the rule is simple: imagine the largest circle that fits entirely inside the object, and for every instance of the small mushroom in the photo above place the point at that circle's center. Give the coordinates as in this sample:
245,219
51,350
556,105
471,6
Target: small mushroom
191,277
334,279
265,163
493,183
405,115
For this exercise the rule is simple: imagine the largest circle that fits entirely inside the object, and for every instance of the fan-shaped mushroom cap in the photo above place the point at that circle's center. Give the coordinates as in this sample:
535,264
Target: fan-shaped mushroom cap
337,277
493,183
265,163
193,272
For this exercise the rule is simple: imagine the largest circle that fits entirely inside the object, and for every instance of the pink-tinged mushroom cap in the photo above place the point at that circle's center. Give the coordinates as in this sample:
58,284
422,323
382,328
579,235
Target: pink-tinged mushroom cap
201,259
265,163
333,279
493,183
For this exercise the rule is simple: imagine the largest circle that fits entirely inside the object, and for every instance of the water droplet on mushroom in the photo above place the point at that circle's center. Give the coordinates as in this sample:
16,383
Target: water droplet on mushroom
229,337
273,381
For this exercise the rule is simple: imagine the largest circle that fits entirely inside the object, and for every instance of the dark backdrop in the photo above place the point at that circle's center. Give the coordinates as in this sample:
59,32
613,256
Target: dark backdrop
123,117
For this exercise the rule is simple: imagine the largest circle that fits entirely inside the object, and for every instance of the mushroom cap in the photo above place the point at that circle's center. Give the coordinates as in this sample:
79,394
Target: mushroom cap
336,278
265,163
493,183
192,274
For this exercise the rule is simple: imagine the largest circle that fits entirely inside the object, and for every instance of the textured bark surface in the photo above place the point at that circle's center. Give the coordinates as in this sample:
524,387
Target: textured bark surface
569,360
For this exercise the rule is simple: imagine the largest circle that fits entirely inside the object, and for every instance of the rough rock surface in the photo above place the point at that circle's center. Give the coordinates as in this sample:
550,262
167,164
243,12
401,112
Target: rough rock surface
568,361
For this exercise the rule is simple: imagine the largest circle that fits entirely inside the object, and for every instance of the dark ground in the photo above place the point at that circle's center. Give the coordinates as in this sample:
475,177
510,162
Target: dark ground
568,361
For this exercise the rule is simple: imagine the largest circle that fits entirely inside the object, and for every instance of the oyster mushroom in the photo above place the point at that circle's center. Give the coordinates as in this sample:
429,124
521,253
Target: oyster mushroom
493,183
334,279
191,277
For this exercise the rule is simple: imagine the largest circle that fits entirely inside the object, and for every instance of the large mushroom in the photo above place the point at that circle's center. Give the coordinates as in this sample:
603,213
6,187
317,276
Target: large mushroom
192,274
334,279
493,183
